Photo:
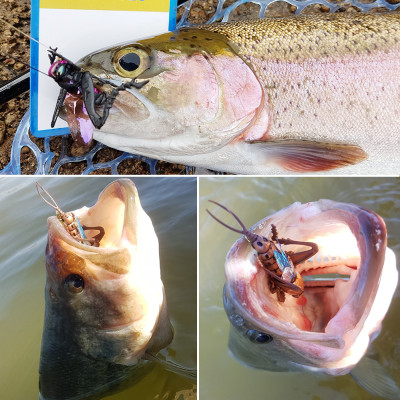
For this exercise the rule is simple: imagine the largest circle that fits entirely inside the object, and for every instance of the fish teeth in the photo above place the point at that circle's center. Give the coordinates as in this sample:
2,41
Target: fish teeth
323,260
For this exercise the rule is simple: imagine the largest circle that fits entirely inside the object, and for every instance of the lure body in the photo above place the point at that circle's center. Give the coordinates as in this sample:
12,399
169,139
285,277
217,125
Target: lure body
85,97
71,222
279,265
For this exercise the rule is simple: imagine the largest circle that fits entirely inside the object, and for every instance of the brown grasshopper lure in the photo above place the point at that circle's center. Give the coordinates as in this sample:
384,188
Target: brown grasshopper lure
279,265
71,222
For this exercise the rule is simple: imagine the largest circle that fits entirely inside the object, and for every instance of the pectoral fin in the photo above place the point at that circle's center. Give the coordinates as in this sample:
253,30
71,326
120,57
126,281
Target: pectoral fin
308,156
373,377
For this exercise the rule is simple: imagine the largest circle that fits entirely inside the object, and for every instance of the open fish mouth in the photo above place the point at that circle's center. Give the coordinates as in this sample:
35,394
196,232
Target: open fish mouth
115,313
114,214
348,285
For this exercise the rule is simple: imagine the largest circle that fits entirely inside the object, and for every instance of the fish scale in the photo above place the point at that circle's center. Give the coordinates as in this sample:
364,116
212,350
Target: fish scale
319,36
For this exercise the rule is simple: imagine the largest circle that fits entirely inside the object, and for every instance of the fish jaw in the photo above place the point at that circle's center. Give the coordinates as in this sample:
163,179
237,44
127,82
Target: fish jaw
196,99
122,305
327,329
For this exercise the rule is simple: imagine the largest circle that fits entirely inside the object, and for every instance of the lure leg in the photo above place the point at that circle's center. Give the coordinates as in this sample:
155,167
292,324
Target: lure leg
99,236
301,256
278,282
89,99
59,104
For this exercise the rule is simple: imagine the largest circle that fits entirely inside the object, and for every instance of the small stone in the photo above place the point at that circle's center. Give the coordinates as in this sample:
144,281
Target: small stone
24,150
78,150
10,118
197,13
2,131
18,66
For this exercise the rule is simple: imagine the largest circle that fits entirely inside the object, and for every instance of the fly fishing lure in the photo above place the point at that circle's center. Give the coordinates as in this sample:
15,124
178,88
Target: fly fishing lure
71,222
279,265
73,80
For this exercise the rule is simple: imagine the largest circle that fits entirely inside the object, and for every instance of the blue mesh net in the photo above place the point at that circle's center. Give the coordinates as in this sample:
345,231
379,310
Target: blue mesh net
223,13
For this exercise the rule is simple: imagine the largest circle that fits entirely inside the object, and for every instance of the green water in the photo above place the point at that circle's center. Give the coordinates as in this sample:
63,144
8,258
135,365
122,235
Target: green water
170,203
221,376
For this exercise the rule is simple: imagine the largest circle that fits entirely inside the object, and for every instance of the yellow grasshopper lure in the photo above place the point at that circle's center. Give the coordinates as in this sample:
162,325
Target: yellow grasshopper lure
70,221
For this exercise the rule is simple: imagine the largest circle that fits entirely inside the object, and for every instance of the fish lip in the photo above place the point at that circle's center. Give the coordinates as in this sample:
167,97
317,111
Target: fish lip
369,230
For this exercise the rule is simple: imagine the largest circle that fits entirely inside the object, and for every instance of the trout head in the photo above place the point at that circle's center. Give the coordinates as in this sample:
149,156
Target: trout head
109,300
349,285
199,93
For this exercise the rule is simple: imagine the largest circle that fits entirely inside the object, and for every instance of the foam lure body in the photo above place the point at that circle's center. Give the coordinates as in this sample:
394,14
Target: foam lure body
280,265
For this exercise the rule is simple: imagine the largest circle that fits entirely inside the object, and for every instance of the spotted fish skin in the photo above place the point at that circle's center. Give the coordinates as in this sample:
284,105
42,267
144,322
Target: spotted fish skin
304,94
326,77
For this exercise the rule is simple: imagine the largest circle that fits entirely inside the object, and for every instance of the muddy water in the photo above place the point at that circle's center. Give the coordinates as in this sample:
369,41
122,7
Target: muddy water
170,203
221,376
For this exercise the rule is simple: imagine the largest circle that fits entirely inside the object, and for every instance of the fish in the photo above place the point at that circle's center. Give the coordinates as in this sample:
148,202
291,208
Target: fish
348,288
105,306
296,94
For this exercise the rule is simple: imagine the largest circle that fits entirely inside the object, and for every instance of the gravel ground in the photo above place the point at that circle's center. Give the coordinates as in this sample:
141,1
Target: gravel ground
14,57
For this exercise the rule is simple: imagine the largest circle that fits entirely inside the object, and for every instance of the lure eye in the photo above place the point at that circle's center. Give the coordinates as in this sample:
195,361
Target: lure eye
74,283
60,70
259,337
261,245
69,218
131,62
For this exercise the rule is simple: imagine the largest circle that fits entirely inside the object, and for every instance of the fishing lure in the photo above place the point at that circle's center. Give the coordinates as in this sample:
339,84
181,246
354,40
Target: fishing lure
73,80
279,265
71,222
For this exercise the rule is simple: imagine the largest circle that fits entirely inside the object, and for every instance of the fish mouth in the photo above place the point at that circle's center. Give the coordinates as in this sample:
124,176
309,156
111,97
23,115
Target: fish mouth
343,302
116,315
117,228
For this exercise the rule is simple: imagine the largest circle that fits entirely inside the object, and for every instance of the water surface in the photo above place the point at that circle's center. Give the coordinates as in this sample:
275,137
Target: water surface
171,203
221,376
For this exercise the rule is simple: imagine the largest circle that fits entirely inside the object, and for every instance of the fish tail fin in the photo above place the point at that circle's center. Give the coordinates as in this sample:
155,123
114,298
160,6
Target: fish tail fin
307,155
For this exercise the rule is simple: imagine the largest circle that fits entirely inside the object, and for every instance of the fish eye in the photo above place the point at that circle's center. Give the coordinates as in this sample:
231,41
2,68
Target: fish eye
258,337
131,62
74,283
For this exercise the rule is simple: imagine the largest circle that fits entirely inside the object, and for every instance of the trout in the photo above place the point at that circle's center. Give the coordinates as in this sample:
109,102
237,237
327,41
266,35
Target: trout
348,288
105,306
299,94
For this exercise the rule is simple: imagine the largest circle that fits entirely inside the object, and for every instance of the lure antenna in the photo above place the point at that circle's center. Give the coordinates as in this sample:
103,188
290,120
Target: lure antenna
251,237
54,205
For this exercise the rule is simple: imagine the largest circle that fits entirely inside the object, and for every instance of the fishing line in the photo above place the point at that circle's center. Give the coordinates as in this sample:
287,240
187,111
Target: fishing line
30,37
25,34
28,65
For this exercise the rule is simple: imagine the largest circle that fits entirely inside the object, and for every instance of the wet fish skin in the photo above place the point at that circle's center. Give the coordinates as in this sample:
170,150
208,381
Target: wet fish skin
98,337
299,94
